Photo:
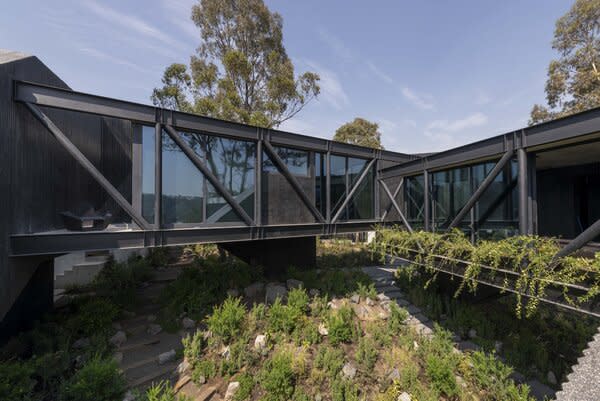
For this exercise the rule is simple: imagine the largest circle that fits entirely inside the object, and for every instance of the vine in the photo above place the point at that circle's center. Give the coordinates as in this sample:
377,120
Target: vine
530,260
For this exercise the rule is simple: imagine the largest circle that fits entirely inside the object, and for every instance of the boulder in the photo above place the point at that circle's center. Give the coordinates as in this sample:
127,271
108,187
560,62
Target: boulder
118,339
348,371
274,291
323,329
118,357
254,290
313,292
183,367
551,377
260,343
153,329
472,333
404,397
292,284
166,357
130,395
231,390
498,347
355,298
81,343
394,375
370,302
233,293
225,352
188,323
151,318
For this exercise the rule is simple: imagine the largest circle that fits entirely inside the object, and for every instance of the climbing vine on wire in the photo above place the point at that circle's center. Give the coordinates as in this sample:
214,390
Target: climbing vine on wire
529,260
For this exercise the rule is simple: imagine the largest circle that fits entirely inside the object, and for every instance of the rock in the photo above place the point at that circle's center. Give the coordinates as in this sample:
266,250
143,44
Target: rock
460,381
551,377
274,291
382,297
292,284
382,315
116,326
225,352
118,339
80,361
313,292
394,375
151,318
254,290
166,357
81,343
118,357
153,329
201,379
415,345
348,371
183,367
404,397
498,346
370,302
206,334
260,343
130,395
183,380
362,312
233,293
231,390
188,323
318,397
472,333
355,298
322,329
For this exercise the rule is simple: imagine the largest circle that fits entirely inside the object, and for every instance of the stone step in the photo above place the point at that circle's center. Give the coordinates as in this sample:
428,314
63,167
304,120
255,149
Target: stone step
133,365
140,344
151,374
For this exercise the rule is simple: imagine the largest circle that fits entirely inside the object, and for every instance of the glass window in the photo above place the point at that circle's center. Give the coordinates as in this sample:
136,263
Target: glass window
232,162
338,183
414,200
182,183
361,206
148,163
320,183
296,161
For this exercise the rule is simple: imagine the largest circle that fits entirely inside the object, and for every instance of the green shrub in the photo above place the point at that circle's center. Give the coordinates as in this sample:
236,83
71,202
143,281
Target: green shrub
206,368
16,383
227,320
301,395
277,377
193,345
162,391
397,317
93,316
366,291
281,318
493,377
306,332
344,390
256,317
158,257
246,386
440,372
340,325
238,358
118,281
99,380
366,353
297,299
330,360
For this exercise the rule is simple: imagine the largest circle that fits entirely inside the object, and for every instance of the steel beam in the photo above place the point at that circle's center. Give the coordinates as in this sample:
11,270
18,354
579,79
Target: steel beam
523,191
426,201
367,170
158,175
391,204
88,166
395,204
482,188
189,152
292,180
580,241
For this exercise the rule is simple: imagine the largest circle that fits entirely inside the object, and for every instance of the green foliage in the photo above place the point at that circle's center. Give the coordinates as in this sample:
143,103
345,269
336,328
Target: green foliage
306,332
193,345
162,391
297,299
206,368
234,79
492,376
440,371
330,360
286,318
158,257
92,316
340,325
239,356
359,132
573,83
344,390
16,383
226,321
366,291
277,377
397,317
342,253
99,380
366,353
118,281
246,386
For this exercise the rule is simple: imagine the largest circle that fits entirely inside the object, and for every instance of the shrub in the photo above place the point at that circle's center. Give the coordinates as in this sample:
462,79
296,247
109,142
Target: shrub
281,318
237,359
330,360
493,377
277,377
162,391
306,332
440,372
118,281
246,386
226,321
339,325
205,368
256,317
99,380
397,317
16,383
93,316
366,353
297,299
158,257
366,291
344,390
193,346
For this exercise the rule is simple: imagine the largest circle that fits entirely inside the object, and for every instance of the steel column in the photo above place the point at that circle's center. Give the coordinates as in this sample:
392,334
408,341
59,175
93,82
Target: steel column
426,201
481,189
367,170
580,241
88,166
158,175
523,191
258,181
292,180
189,152
328,185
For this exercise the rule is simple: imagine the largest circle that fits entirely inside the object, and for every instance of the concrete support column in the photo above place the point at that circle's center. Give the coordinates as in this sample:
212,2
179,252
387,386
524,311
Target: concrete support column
276,255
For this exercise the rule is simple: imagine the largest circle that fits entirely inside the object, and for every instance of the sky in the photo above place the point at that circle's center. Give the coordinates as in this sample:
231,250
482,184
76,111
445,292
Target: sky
433,74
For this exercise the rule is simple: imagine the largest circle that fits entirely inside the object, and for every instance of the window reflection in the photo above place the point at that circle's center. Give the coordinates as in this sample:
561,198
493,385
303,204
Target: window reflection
148,163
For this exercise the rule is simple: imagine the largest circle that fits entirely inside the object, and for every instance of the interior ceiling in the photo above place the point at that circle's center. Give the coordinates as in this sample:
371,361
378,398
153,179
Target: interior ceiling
569,156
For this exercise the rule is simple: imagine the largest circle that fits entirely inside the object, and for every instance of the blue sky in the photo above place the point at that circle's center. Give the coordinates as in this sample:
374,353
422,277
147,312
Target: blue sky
433,74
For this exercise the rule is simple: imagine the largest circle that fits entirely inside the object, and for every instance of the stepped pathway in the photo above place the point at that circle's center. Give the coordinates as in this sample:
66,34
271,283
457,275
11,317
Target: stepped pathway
383,277
138,356
582,383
